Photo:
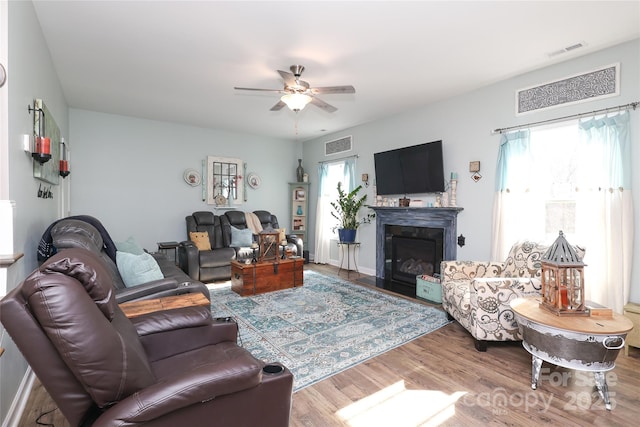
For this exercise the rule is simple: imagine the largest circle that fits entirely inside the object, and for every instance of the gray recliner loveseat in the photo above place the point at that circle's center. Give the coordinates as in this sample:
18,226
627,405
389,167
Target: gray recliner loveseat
215,264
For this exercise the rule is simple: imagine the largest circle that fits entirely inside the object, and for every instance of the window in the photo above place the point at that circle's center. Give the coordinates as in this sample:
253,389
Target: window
554,154
575,178
330,174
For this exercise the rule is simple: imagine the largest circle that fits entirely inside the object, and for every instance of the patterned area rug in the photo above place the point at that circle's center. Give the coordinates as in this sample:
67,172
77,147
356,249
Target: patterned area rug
324,327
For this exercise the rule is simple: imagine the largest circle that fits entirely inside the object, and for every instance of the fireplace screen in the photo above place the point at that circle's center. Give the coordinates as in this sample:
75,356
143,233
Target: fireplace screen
411,257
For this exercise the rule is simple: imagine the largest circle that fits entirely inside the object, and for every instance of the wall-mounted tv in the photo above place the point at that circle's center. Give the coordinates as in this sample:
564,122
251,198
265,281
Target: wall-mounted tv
410,170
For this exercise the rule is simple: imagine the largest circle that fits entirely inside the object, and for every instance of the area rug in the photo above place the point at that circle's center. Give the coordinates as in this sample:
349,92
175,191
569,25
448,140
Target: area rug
324,327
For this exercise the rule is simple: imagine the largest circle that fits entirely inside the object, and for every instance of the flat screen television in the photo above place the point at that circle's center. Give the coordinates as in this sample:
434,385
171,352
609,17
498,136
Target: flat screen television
410,170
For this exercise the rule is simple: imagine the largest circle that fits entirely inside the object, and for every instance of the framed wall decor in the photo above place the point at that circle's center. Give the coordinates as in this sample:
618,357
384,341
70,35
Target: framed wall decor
225,185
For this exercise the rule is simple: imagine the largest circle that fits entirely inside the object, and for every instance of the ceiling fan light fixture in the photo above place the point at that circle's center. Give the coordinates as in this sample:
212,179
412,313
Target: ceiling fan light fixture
296,101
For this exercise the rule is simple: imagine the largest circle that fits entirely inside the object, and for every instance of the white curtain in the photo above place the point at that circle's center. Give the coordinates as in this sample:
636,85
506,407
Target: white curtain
603,223
518,204
323,230
604,209
329,174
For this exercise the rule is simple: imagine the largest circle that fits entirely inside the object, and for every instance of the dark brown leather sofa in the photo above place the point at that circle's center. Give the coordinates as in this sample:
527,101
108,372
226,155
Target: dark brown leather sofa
169,368
209,266
75,233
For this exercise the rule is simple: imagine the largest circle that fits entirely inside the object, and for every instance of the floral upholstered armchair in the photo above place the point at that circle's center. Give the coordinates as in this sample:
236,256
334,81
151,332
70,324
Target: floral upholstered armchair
477,294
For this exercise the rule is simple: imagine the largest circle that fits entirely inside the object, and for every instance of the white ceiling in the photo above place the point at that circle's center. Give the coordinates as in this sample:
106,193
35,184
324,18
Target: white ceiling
178,61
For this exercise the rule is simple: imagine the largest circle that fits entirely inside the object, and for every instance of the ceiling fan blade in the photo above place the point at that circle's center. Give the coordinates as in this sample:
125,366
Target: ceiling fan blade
259,90
323,105
278,106
333,89
289,79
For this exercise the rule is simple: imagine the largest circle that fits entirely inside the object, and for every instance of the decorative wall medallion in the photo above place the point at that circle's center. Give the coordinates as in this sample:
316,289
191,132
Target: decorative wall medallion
192,177
253,180
600,83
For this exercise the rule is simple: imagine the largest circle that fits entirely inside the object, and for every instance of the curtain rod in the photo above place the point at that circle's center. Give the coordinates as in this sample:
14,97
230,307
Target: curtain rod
355,156
631,105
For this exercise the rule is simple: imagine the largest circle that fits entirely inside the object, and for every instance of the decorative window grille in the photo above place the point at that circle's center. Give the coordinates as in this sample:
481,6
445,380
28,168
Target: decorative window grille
600,83
338,145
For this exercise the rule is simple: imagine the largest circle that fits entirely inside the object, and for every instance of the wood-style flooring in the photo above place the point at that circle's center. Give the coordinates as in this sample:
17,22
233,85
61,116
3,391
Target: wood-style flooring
440,379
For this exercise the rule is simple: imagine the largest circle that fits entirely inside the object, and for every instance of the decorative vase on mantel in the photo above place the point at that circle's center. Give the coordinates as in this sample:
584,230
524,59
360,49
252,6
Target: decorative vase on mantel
300,171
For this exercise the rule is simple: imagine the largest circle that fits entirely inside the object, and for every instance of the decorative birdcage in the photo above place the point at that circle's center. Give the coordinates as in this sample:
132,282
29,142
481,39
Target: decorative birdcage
563,280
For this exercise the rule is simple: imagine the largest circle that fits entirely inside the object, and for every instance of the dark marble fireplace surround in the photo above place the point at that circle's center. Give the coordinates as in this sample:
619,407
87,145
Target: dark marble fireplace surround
437,228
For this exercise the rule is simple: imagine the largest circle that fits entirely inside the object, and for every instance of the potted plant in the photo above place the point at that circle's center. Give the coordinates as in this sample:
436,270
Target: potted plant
345,210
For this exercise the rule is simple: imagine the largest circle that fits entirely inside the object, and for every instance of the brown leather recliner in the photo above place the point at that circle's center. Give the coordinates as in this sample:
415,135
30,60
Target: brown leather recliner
168,368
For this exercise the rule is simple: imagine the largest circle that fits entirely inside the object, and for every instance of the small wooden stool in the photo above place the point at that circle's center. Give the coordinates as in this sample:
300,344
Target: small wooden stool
632,312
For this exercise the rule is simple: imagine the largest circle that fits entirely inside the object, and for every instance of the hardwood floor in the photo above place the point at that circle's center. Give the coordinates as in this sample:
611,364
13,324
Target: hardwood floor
440,379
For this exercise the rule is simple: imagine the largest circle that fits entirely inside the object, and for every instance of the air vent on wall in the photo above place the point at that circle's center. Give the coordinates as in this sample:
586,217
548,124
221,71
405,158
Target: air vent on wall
337,146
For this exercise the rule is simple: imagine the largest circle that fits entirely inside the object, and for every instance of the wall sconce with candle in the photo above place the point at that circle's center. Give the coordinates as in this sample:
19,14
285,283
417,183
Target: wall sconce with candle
64,162
42,147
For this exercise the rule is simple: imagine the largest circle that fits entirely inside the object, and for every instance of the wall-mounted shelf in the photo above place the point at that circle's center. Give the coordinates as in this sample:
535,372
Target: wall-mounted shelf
7,260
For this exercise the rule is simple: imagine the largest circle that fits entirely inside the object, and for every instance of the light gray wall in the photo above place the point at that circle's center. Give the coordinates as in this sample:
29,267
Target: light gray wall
30,75
128,173
464,123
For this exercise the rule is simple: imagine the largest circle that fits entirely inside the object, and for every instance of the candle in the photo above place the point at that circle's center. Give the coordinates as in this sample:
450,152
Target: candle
563,297
64,166
454,175
43,145
46,145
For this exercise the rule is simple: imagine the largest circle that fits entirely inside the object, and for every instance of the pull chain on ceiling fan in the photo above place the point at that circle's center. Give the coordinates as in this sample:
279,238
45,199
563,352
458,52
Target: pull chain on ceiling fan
297,93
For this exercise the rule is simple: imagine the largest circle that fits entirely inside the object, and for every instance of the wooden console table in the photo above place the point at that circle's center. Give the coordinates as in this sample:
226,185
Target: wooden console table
138,308
581,343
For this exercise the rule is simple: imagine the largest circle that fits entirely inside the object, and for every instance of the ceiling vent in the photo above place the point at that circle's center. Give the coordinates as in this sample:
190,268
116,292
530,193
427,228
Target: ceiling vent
338,146
566,49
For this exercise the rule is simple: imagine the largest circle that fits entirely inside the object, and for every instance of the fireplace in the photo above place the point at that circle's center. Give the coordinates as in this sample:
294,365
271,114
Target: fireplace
412,242
412,251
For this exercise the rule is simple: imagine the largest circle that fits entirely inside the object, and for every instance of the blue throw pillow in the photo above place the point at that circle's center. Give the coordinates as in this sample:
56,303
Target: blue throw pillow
137,269
131,246
241,238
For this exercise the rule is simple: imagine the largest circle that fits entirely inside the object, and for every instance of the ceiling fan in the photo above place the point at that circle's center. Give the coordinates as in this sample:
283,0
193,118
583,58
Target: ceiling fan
298,93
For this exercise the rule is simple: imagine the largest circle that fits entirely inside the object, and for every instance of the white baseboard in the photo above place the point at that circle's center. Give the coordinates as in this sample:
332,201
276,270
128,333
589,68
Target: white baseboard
20,400
361,270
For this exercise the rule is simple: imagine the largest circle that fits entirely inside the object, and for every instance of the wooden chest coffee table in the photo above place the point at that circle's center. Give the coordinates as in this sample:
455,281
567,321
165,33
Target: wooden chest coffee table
252,279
